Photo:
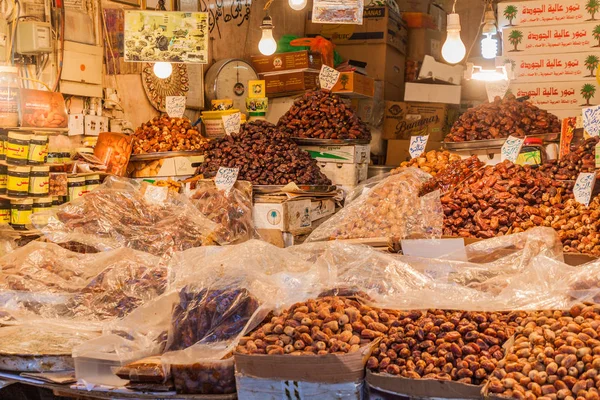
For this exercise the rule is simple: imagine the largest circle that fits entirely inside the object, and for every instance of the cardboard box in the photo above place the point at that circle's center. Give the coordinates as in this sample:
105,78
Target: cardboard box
430,93
166,167
418,20
432,69
539,12
384,63
380,26
555,67
347,154
421,6
397,150
402,120
287,61
352,84
282,83
345,174
392,92
558,95
549,40
287,215
424,42
321,208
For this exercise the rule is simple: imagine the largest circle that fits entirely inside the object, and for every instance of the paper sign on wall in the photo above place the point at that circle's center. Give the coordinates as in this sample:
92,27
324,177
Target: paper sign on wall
584,187
226,178
498,88
417,145
338,12
511,148
328,77
591,120
232,123
175,106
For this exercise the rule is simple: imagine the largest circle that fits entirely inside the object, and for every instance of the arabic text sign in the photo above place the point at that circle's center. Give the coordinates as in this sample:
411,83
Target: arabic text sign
553,67
591,120
226,178
549,39
511,148
175,106
417,145
584,186
328,77
536,12
498,88
232,123
559,95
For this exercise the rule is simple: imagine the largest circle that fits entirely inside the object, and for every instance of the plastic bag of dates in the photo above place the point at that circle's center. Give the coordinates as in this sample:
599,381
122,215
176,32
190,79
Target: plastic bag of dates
124,213
391,209
323,115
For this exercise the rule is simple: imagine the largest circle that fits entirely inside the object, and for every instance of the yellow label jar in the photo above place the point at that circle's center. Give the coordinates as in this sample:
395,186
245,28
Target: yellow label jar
39,181
76,186
91,182
20,212
16,148
3,139
17,183
40,206
3,178
38,150
4,212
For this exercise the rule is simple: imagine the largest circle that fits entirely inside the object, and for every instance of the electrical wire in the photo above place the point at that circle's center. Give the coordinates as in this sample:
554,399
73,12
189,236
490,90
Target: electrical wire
15,23
110,48
36,81
476,39
62,45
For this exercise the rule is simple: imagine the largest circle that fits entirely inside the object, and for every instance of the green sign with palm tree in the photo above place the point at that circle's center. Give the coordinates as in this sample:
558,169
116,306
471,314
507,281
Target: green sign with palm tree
588,91
510,13
515,38
591,63
592,7
596,35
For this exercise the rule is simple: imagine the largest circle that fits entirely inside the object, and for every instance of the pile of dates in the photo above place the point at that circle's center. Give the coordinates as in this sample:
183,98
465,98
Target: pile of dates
163,133
264,155
444,345
502,118
323,115
455,172
555,355
579,160
501,199
432,162
320,326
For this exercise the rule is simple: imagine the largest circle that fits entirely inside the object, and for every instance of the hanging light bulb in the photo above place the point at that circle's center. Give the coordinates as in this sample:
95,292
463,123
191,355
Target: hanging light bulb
489,45
163,70
453,49
297,4
267,44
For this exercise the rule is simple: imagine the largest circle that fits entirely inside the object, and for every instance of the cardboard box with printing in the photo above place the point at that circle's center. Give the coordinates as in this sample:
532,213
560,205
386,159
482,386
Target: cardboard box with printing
287,61
424,42
384,63
403,120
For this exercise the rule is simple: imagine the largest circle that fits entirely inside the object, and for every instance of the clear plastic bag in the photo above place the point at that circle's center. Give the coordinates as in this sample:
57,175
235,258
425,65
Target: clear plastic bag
124,213
391,209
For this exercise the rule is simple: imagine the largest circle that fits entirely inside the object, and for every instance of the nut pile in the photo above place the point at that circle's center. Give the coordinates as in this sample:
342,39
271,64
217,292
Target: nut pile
579,160
556,355
456,172
444,345
163,133
432,162
502,118
501,199
325,325
323,115
264,155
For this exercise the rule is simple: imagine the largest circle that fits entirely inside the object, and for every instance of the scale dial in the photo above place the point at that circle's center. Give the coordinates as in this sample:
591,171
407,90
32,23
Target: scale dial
228,79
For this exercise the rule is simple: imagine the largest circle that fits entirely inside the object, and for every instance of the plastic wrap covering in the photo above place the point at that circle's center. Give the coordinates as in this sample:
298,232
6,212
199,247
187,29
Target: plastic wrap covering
8,240
230,210
123,213
391,209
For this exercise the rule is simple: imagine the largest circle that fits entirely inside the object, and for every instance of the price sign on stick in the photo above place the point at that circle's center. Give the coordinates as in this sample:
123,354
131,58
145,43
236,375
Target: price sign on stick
226,178
232,123
417,145
498,88
511,148
328,77
584,186
175,106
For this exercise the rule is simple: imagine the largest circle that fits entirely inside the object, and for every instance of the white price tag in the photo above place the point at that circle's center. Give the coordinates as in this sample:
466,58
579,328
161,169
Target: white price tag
497,88
511,148
584,186
156,194
328,77
226,178
175,106
232,123
591,120
417,145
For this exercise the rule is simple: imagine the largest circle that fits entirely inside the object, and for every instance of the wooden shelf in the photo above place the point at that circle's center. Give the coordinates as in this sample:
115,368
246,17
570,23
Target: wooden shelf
45,130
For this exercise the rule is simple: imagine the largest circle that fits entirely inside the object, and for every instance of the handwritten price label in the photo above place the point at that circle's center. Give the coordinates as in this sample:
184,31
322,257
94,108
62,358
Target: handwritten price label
226,178
584,186
232,123
494,89
175,106
511,148
591,120
328,77
417,145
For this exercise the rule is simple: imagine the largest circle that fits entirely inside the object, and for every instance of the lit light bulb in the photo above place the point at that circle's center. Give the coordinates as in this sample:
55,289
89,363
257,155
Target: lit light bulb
267,44
163,70
453,49
297,4
489,47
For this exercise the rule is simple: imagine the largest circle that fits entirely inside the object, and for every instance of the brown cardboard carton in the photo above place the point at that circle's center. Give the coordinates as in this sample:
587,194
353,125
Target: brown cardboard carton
284,83
424,42
380,26
384,62
402,120
287,61
397,150
353,84
382,384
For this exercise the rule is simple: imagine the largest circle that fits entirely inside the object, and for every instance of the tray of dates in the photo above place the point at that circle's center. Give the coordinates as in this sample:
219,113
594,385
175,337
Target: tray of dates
494,143
329,142
270,189
164,154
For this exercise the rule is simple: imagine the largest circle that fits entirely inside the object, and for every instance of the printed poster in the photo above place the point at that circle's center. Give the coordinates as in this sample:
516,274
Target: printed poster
582,37
154,36
554,12
559,95
338,12
552,67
